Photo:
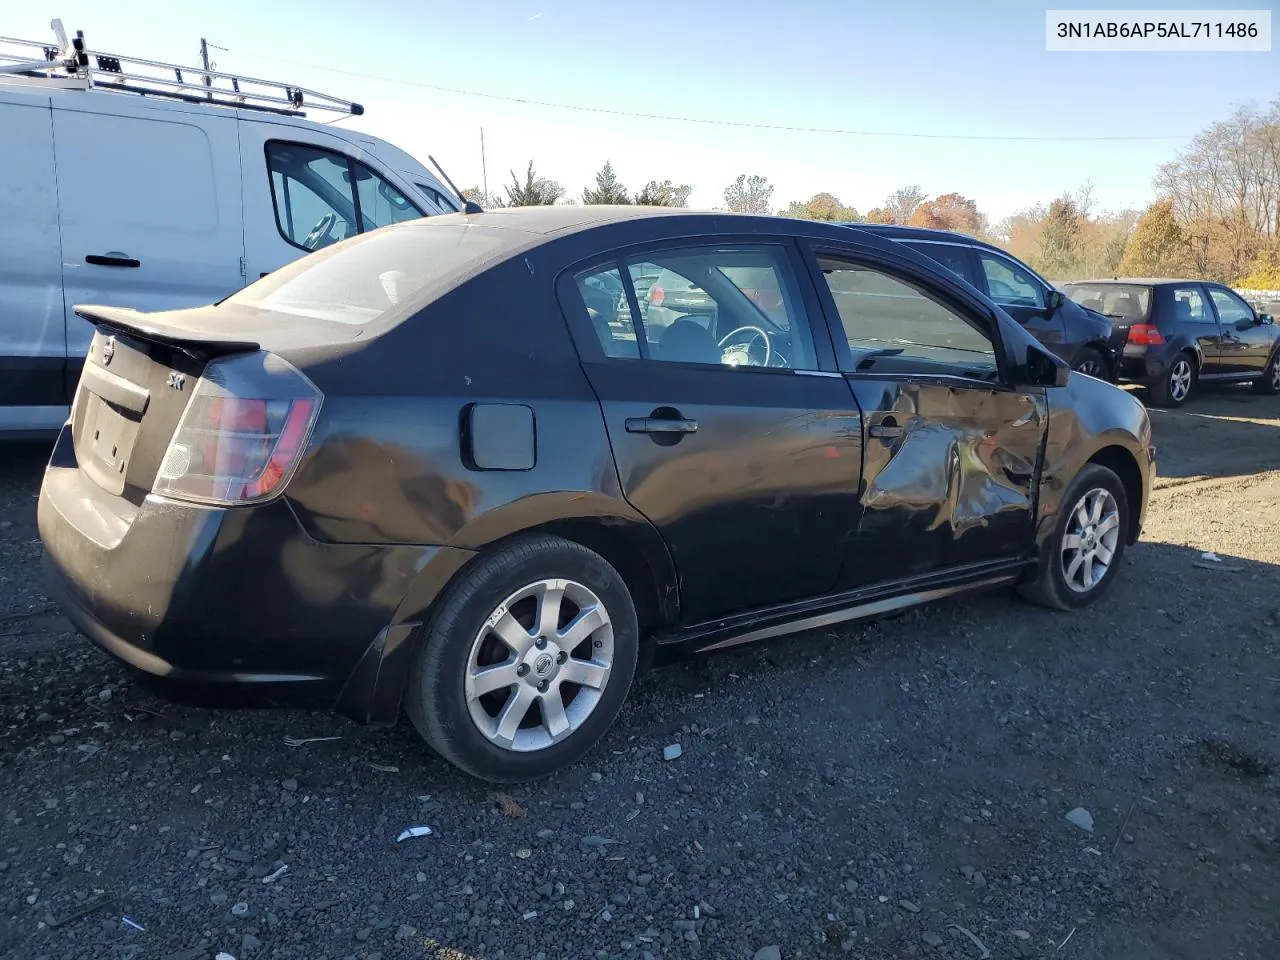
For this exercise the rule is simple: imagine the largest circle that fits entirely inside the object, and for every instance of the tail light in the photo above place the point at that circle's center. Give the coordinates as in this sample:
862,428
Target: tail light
656,295
1145,335
243,432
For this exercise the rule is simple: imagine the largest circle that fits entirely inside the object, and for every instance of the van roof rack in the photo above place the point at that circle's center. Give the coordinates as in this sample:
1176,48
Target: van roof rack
71,64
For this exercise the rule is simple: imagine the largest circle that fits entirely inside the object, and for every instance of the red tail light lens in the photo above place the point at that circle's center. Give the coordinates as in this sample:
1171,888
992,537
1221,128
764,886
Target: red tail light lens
1146,335
242,434
656,296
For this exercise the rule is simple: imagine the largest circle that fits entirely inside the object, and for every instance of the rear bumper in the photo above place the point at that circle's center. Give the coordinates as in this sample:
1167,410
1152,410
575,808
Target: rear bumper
238,596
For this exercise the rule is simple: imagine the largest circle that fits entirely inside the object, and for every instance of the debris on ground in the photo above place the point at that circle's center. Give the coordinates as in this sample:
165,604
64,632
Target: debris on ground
768,953
385,768
280,871
1082,818
509,807
973,938
672,751
300,741
411,832
133,924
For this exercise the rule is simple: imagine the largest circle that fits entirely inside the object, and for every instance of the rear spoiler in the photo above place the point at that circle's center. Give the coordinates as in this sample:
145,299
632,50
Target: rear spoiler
166,328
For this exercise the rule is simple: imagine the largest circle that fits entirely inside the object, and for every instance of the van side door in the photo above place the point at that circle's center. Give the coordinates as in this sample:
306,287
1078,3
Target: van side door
305,190
149,205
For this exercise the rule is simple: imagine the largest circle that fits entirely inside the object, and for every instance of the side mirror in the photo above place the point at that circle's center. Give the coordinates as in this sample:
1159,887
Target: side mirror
1053,300
1043,369
1265,318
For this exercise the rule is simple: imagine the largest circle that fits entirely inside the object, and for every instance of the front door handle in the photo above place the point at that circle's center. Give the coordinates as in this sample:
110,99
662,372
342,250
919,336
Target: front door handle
112,260
661,425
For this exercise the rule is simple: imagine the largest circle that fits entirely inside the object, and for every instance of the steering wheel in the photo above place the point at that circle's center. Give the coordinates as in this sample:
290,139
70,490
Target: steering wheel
320,231
758,334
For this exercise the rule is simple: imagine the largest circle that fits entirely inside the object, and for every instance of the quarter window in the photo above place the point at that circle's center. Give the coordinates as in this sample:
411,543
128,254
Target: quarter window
1008,284
736,307
1231,309
322,196
894,328
1189,306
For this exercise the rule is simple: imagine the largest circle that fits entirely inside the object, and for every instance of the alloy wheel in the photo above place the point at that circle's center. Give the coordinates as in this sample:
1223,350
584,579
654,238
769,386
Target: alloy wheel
1089,545
539,665
1090,368
1180,379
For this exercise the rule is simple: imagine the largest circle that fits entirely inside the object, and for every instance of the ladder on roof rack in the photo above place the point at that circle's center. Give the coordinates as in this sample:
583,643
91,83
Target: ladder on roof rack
71,64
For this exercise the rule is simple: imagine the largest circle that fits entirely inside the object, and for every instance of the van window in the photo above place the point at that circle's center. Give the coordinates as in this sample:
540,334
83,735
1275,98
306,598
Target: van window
441,200
322,196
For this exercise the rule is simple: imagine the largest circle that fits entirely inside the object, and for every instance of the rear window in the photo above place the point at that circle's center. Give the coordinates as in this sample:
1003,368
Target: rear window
1124,301
359,281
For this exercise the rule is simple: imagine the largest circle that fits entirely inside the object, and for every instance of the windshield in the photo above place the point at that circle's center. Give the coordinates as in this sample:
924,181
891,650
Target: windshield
358,281
1123,301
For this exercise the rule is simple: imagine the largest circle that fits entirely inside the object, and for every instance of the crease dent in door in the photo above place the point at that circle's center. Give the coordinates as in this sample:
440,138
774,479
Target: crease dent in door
755,468
943,463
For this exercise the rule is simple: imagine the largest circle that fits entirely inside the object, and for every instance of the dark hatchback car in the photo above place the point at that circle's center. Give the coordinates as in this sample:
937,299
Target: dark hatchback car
1180,332
417,468
1083,338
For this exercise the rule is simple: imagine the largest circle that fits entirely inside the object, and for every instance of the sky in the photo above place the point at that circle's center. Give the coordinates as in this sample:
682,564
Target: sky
945,68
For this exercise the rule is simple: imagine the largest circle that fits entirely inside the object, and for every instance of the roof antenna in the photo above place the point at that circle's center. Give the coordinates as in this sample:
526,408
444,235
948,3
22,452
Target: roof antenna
468,206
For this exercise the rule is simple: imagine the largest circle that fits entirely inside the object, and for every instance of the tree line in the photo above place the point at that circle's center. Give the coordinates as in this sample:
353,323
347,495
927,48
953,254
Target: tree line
1216,214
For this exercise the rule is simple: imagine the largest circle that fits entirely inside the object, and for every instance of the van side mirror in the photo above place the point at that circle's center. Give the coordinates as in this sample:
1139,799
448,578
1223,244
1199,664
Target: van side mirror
1053,300
1043,369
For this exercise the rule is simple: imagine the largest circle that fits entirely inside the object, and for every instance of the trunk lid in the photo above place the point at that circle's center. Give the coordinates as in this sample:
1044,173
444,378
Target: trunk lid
141,371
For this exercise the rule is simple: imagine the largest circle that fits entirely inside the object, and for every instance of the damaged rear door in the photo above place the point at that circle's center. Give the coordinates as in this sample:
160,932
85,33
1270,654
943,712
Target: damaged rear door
951,452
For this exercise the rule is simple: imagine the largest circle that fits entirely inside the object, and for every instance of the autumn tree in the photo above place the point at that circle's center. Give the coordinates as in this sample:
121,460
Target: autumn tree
607,189
534,192
1059,241
880,215
478,196
822,206
749,194
902,203
950,211
664,194
1158,247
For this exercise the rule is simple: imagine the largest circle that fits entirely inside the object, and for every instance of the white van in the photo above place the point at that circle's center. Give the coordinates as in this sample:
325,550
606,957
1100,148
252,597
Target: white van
163,200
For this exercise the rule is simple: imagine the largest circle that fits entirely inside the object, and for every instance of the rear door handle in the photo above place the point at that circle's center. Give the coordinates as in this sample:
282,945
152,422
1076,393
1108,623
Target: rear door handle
112,260
660,425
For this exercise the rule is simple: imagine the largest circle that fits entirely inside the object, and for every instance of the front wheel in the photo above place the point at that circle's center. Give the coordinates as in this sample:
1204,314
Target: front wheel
527,661
1269,382
1178,382
1080,558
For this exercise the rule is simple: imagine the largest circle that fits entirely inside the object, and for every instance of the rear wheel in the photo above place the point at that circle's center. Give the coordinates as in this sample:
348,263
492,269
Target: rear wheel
1090,362
527,661
1269,382
1178,383
1080,558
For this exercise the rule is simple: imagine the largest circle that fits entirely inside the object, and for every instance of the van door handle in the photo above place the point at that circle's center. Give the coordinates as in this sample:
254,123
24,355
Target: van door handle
112,260
660,425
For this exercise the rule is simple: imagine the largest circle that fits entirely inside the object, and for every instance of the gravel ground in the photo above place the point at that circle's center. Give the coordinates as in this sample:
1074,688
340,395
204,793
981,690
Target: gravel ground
895,790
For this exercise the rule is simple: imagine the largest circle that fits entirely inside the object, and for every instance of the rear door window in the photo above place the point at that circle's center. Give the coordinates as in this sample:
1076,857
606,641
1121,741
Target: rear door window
955,258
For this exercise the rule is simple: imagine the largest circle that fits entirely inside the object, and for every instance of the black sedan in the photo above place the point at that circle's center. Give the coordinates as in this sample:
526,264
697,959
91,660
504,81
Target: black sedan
428,467
1181,332
1082,337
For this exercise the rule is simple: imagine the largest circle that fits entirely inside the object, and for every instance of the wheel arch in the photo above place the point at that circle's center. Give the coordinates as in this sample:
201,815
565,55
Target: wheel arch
1124,464
609,526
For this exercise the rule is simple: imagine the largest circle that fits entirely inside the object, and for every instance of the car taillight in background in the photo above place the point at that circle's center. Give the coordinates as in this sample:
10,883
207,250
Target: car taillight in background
656,295
1145,335
243,432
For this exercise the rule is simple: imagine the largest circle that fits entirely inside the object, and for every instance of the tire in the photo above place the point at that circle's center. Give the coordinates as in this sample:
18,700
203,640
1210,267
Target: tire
460,639
1269,383
1051,587
1091,363
1178,383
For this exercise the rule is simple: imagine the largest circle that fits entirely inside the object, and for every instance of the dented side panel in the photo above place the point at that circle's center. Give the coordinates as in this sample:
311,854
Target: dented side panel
949,475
